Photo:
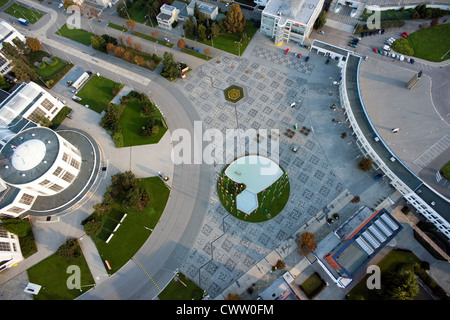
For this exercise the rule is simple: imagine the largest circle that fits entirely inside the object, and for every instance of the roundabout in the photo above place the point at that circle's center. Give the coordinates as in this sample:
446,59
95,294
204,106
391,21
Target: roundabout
253,188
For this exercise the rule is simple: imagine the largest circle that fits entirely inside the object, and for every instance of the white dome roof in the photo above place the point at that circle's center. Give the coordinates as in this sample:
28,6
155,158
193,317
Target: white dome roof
28,155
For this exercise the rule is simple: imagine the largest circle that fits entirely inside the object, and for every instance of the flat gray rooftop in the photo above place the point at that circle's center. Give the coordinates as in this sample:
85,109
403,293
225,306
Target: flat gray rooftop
296,10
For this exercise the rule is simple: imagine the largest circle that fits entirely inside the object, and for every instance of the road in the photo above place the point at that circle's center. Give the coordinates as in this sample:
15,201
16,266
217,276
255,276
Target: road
154,264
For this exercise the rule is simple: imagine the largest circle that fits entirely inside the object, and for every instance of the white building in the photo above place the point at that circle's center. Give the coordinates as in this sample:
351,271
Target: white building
289,20
5,65
36,162
209,10
29,102
167,16
10,252
8,33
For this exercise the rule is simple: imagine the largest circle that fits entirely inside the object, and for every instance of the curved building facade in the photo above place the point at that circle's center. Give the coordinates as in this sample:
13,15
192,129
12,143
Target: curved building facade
38,162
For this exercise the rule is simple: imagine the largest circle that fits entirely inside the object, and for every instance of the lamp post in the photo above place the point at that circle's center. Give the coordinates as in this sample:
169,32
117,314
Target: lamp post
239,46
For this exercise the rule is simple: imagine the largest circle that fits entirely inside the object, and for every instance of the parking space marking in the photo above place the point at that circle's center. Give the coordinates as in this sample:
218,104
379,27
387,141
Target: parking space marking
433,152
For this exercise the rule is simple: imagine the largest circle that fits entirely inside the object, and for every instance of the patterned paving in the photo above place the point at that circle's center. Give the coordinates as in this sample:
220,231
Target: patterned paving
226,247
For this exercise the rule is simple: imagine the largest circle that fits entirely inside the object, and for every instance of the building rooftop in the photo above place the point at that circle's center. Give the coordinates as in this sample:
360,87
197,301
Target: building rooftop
20,164
204,7
299,11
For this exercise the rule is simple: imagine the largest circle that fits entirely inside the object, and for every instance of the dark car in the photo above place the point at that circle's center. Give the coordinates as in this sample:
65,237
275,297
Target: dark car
327,62
382,31
306,59
411,60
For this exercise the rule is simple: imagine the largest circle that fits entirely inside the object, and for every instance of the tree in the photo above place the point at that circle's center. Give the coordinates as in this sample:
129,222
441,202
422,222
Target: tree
129,41
306,243
321,20
196,11
234,20
400,285
131,24
122,10
181,43
190,27
140,61
110,48
119,51
137,46
202,32
170,69
365,164
98,43
34,44
207,51
70,250
215,30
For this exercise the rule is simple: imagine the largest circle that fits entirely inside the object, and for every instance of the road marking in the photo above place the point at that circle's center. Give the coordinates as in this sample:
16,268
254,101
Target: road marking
433,152
146,273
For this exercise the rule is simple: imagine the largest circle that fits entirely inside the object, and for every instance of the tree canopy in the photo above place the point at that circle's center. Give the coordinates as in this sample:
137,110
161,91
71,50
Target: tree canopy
235,20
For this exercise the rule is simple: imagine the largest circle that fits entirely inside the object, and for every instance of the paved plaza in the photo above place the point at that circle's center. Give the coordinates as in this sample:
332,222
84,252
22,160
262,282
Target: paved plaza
227,248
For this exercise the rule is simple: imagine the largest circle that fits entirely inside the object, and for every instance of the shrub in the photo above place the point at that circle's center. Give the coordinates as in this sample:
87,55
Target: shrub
365,164
20,227
70,250
93,227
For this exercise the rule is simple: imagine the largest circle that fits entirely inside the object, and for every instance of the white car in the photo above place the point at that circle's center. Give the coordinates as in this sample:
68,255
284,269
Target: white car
163,176
402,57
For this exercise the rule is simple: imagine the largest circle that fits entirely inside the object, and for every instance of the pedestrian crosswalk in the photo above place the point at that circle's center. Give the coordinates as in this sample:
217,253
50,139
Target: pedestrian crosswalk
434,151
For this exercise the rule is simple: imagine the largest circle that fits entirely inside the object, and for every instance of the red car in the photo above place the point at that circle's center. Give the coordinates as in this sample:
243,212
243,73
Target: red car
375,50
405,34
287,50
299,55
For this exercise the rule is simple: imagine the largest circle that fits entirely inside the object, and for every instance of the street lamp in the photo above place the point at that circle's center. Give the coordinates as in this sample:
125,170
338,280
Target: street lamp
239,46
212,43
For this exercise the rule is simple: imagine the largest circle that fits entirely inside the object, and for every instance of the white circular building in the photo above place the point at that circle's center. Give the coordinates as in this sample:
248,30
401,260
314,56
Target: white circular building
38,162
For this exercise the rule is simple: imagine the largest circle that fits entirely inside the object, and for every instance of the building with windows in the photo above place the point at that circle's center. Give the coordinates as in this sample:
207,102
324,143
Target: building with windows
289,20
36,162
8,33
10,253
361,237
167,16
209,10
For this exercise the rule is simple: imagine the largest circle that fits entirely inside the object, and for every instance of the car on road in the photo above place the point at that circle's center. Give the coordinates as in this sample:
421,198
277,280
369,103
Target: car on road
163,176
166,40
321,32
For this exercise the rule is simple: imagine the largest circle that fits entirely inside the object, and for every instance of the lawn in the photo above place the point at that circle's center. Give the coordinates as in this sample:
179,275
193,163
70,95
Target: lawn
270,201
132,121
152,39
392,260
97,93
313,285
134,230
227,41
181,288
445,171
431,43
52,276
78,35
18,11
117,27
52,73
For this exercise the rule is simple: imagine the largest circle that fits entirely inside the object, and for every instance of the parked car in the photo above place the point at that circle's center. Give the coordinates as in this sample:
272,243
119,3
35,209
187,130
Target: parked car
327,62
382,31
357,38
306,59
321,32
299,55
353,45
294,148
287,50
412,61
375,50
380,51
387,48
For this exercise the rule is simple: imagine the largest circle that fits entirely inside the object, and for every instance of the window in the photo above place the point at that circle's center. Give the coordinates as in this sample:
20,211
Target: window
4,246
74,163
44,183
47,104
26,199
68,177
65,157
55,187
15,210
58,171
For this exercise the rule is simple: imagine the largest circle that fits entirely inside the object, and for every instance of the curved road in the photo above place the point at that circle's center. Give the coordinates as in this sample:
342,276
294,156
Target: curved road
154,264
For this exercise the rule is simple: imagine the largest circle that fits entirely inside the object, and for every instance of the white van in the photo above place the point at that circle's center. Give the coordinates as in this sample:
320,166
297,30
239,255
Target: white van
386,48
402,57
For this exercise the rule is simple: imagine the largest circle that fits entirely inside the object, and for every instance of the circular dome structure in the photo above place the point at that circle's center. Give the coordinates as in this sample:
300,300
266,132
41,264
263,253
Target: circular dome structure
28,155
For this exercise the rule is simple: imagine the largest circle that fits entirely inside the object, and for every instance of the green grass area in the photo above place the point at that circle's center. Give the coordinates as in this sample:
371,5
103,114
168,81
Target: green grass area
390,262
271,201
117,27
445,171
196,54
134,230
152,39
3,2
51,274
138,11
227,41
60,117
97,93
431,43
181,288
18,11
132,121
52,73
313,285
78,35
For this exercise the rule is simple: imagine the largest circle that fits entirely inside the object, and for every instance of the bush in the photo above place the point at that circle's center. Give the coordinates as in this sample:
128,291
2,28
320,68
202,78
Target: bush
403,46
365,164
70,250
93,227
20,227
